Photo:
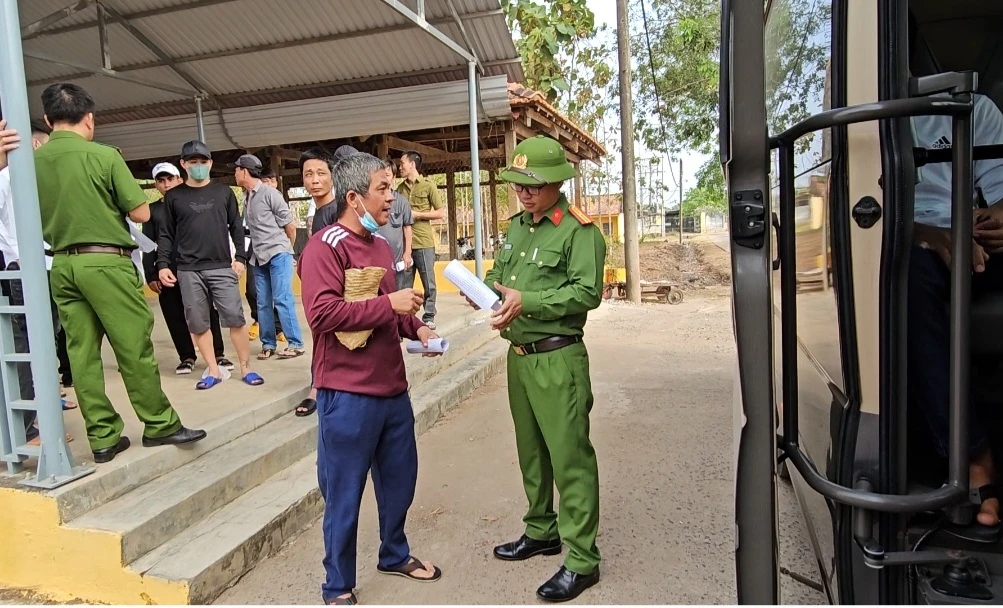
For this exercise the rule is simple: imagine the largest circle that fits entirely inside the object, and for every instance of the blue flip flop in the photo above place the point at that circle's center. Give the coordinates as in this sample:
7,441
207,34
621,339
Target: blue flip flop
253,379
208,382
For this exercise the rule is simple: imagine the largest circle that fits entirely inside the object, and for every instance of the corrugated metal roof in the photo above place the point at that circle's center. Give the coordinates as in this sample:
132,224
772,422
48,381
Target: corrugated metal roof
317,48
421,107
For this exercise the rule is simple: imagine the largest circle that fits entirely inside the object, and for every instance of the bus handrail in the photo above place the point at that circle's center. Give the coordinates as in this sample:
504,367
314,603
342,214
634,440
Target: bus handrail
960,108
868,112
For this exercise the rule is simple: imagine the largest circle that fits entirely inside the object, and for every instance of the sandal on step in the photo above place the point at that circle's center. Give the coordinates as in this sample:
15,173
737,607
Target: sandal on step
291,353
253,379
208,382
408,570
975,531
68,405
266,353
306,407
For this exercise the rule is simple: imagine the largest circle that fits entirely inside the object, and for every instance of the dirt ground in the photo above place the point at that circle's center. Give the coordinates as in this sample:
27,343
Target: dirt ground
662,427
697,263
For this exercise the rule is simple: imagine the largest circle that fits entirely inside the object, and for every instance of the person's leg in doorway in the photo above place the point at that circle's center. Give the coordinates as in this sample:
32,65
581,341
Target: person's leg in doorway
929,379
280,273
424,265
65,371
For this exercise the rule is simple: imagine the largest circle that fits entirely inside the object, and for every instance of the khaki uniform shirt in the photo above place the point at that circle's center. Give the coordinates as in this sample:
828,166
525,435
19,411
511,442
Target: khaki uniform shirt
423,196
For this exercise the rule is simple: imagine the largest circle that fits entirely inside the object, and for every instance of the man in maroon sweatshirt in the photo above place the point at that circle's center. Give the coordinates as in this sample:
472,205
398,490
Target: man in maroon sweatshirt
365,417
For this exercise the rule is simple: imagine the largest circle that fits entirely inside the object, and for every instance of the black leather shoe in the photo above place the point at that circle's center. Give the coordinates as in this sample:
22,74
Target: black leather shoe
566,585
526,547
183,435
108,454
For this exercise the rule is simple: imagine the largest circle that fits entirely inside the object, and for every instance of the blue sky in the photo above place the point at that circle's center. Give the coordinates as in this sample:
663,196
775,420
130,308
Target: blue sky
605,12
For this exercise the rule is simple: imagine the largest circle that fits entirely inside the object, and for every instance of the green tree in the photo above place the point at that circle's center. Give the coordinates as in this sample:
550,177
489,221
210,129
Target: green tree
709,194
546,33
677,54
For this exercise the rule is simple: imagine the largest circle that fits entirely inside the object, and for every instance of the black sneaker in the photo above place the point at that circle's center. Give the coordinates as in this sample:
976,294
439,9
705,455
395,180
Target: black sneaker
225,363
184,368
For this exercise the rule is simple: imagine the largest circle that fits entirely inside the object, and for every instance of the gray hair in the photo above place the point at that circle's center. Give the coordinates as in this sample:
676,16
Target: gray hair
354,172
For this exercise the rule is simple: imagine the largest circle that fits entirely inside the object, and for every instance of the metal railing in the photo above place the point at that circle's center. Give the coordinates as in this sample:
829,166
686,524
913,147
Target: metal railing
55,462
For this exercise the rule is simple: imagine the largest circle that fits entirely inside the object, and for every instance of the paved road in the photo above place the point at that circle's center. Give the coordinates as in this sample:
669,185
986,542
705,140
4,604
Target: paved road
662,426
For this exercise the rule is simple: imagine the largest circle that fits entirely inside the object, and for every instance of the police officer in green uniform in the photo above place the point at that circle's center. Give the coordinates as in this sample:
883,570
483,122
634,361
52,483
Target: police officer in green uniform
549,275
85,190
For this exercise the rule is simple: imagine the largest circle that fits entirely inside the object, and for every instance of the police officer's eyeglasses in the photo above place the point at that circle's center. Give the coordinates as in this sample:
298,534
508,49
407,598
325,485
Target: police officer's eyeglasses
532,190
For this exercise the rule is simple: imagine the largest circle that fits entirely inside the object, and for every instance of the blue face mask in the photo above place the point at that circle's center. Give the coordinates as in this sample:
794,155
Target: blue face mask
368,222
199,173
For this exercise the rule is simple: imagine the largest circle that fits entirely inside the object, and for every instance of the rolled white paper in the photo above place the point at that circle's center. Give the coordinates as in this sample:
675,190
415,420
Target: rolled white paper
470,286
435,345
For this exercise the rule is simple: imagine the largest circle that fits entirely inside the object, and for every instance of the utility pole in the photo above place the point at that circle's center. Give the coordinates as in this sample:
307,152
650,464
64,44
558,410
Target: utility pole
680,201
630,240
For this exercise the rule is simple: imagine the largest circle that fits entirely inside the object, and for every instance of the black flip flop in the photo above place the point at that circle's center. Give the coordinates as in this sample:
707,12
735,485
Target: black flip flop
306,407
976,532
407,571
351,600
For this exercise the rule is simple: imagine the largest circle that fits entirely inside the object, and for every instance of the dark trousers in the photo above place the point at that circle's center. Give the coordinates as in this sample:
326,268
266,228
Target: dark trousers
173,309
64,359
929,346
19,327
251,292
359,434
424,266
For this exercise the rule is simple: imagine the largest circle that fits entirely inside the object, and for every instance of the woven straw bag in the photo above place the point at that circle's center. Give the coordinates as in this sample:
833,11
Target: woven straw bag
360,284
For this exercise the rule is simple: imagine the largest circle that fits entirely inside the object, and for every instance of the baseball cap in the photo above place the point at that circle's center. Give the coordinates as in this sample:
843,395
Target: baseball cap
248,161
195,148
162,168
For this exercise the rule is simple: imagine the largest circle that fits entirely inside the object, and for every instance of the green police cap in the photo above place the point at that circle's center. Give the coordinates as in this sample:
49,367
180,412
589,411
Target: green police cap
537,161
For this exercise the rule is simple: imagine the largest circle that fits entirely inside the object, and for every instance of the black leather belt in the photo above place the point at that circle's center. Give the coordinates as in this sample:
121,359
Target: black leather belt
122,251
545,345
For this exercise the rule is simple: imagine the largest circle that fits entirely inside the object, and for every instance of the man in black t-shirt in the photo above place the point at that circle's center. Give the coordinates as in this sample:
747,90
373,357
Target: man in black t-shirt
167,176
200,221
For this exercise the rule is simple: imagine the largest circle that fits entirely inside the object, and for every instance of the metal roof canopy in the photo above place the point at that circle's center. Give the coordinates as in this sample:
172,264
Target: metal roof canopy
227,54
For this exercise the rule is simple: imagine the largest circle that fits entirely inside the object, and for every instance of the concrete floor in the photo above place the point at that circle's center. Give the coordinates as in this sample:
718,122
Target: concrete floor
662,427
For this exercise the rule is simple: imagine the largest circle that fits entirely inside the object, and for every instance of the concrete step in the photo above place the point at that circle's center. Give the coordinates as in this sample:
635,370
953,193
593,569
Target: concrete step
215,552
153,513
218,549
139,466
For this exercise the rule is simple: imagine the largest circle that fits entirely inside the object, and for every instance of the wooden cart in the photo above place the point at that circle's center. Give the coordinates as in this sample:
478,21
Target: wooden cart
666,291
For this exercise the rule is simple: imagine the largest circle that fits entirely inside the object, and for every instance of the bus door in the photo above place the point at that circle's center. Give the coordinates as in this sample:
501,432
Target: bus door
852,509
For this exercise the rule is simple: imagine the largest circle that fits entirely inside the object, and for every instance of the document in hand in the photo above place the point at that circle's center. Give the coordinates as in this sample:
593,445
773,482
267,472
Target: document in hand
472,287
435,345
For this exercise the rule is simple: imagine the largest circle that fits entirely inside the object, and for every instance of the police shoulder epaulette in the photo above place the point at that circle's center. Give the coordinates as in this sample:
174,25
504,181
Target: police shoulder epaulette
115,148
582,217
515,215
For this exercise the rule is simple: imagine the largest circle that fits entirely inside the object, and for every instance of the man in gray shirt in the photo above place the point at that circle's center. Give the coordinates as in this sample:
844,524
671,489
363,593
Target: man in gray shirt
272,231
397,232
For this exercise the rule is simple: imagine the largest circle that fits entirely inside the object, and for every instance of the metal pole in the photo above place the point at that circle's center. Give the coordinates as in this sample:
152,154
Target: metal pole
55,463
630,240
680,201
475,169
199,121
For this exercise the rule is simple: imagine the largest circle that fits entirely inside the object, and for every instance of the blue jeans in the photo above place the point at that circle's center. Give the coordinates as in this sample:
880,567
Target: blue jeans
274,281
359,434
